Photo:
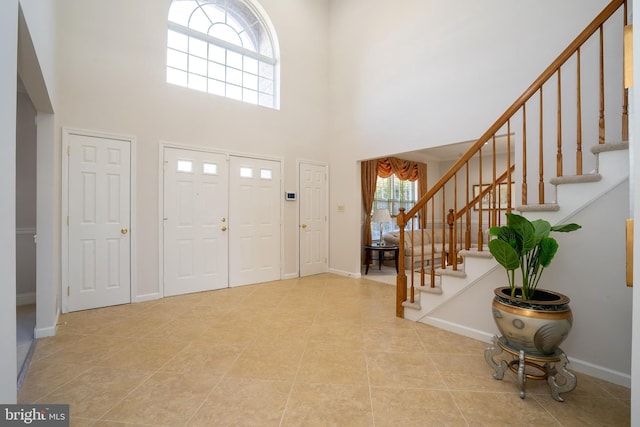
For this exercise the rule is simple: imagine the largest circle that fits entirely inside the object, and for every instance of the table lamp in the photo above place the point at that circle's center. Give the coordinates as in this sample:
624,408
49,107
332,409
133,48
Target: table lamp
381,216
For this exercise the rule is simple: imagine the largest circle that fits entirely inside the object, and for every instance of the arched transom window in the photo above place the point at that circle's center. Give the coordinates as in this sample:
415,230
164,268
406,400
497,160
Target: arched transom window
223,47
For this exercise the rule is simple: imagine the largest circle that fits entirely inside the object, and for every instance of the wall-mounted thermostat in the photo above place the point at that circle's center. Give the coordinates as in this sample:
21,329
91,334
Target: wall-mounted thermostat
290,196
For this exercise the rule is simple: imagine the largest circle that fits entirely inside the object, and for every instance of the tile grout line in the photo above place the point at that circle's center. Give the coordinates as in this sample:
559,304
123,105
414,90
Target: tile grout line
304,351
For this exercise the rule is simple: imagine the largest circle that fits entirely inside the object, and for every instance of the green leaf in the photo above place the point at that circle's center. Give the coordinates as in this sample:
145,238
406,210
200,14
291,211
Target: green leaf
495,230
548,249
524,231
504,254
565,228
541,228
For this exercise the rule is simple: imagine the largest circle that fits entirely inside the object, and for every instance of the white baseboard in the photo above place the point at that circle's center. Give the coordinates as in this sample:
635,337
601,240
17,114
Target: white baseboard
619,378
47,331
357,275
290,276
577,365
147,297
26,298
458,329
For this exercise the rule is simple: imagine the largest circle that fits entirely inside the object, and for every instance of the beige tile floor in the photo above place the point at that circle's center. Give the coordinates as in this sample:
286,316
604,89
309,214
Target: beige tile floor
319,351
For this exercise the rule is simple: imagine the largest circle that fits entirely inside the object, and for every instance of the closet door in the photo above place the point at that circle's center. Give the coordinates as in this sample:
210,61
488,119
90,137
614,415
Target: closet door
98,231
314,225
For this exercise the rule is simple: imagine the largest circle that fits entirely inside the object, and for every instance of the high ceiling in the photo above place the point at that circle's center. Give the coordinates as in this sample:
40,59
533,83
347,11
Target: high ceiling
451,152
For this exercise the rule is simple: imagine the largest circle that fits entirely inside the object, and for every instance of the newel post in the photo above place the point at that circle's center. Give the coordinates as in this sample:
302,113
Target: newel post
401,278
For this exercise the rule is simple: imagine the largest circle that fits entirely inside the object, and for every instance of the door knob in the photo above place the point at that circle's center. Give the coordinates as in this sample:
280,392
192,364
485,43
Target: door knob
223,228
304,225
124,231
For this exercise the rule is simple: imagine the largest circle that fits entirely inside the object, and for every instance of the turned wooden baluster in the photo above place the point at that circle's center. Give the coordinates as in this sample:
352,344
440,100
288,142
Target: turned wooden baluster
467,231
413,253
524,154
541,156
579,119
401,278
432,272
509,207
601,130
559,126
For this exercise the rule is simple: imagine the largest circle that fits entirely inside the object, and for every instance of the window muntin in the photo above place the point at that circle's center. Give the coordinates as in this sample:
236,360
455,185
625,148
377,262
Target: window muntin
392,193
221,47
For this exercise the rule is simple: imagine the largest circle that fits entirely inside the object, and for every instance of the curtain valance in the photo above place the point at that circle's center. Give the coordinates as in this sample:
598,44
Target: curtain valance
406,170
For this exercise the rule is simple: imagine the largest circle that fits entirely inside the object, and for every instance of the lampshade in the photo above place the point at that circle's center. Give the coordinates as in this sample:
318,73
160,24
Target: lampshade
381,215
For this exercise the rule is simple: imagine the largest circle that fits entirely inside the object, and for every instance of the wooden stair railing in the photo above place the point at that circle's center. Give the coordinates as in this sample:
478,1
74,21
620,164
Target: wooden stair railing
450,202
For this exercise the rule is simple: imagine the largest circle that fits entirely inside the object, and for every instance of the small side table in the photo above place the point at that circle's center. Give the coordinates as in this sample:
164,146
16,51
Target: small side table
368,249
548,367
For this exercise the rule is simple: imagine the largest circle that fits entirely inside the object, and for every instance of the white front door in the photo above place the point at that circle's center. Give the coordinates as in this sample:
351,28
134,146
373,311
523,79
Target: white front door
313,219
98,240
195,221
255,199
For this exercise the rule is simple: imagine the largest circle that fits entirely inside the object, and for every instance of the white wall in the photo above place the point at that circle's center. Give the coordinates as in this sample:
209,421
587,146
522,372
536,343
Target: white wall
634,136
425,73
111,68
8,79
25,199
36,68
590,269
40,16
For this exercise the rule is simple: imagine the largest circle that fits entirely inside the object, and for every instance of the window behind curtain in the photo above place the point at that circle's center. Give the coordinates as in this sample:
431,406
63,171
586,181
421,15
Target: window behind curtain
393,193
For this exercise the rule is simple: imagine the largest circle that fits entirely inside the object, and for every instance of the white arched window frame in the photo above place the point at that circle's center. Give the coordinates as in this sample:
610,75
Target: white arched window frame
223,47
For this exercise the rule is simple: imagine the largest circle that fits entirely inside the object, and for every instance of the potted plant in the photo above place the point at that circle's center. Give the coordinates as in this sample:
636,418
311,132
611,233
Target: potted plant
530,319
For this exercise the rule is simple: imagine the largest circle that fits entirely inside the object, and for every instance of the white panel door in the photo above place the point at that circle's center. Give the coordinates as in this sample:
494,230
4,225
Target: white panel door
99,242
313,219
195,221
255,198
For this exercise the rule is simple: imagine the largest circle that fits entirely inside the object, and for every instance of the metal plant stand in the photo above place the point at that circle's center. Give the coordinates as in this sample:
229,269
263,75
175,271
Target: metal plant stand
547,367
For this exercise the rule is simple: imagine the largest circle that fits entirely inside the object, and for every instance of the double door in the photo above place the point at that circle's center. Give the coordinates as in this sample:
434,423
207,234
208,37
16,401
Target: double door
221,221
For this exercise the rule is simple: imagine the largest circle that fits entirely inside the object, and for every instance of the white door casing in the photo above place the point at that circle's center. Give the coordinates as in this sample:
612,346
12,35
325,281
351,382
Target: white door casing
97,247
195,220
255,220
313,219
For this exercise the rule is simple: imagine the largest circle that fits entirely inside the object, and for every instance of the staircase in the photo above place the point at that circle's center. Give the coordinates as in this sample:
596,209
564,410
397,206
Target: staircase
478,268
573,117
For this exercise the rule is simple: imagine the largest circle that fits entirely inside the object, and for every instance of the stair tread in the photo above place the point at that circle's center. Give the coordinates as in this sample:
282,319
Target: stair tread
601,148
474,253
574,179
449,272
429,290
543,207
413,305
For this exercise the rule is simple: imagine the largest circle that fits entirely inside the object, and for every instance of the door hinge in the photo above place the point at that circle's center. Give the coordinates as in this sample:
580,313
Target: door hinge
68,150
68,290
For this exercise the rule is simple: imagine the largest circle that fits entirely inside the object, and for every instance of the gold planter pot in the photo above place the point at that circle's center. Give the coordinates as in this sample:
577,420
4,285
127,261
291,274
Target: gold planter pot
537,326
